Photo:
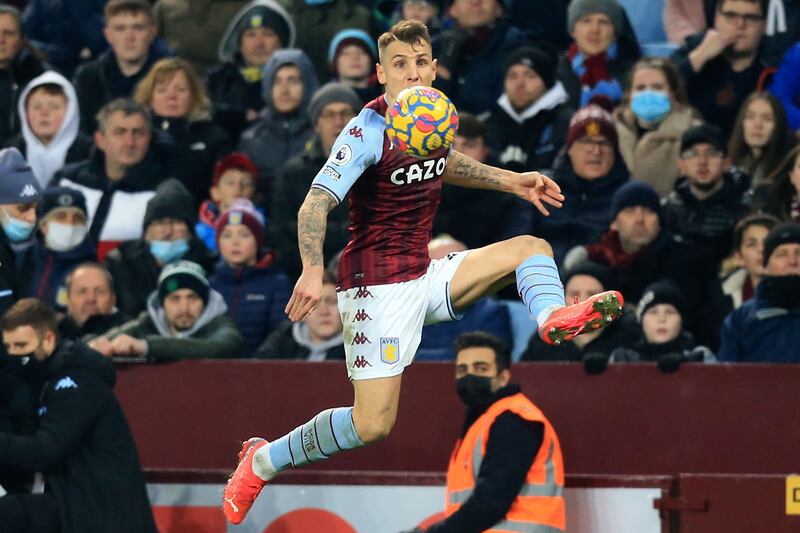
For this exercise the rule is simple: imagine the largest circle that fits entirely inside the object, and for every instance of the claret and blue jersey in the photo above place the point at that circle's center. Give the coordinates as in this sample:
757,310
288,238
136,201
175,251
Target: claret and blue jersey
393,201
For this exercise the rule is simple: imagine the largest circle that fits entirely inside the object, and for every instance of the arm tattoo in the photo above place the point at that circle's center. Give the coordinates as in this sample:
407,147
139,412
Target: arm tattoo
466,172
312,219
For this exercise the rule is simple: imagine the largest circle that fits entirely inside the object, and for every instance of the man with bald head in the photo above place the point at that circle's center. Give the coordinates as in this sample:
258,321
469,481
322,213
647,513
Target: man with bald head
91,302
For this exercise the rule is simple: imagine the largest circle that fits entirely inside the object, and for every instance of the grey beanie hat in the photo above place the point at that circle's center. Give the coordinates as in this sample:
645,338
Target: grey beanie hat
18,185
582,8
330,93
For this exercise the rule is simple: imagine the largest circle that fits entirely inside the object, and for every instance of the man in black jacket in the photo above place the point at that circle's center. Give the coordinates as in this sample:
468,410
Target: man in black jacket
130,31
82,445
724,65
508,441
708,199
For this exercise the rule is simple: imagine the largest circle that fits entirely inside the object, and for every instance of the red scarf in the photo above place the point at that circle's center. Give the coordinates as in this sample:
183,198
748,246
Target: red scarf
608,251
596,68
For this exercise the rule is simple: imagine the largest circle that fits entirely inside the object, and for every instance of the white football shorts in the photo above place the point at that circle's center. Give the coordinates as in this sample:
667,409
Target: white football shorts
383,323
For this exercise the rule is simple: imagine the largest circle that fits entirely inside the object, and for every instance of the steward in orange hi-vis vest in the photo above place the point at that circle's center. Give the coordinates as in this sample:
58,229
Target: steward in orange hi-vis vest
539,504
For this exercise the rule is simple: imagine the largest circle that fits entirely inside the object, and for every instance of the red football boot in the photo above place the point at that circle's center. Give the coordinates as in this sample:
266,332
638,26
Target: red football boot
596,312
243,486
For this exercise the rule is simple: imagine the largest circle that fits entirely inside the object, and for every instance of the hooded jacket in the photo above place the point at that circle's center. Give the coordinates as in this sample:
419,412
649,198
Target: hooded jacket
213,335
116,208
68,145
652,155
231,93
83,445
277,137
256,298
135,271
531,139
292,341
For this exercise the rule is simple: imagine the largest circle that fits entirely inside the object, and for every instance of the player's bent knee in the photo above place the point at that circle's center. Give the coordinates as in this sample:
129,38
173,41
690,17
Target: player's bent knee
526,246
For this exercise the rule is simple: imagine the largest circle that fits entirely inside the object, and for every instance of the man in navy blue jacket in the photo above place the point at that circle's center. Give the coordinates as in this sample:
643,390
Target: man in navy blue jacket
766,329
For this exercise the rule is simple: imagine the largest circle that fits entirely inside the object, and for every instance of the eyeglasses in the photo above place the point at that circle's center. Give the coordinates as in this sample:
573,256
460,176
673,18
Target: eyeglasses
750,19
590,144
695,154
344,115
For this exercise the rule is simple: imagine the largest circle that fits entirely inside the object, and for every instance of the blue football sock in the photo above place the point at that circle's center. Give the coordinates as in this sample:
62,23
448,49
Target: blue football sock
539,285
328,433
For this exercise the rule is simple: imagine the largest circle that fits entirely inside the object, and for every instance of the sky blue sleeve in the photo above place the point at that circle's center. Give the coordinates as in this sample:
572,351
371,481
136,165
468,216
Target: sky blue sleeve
359,145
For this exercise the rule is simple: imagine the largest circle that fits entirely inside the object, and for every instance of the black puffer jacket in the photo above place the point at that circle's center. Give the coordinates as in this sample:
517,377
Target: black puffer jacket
84,446
707,224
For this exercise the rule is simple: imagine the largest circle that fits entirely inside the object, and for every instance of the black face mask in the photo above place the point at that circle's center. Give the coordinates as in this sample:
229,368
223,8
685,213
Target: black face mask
475,390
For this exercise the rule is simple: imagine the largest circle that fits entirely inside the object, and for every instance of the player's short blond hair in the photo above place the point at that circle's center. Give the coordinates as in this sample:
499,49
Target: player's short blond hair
406,31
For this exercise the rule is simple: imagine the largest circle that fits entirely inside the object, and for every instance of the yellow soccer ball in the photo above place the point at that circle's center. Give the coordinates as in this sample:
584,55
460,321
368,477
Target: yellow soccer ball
421,120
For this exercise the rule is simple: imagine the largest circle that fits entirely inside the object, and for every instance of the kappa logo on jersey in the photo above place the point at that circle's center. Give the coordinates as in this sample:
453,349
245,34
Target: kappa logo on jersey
390,350
330,172
66,383
356,132
28,190
424,170
360,338
361,362
343,155
361,316
363,292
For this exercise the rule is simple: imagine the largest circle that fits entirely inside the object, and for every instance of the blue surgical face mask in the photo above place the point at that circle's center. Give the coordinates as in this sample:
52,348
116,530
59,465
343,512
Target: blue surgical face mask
651,106
169,251
17,230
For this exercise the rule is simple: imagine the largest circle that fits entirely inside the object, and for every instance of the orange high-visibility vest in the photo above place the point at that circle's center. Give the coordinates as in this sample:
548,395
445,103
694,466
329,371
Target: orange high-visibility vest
539,506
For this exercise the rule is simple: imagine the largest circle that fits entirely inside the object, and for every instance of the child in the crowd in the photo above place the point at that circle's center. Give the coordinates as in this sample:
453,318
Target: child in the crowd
318,337
664,340
254,289
50,136
235,177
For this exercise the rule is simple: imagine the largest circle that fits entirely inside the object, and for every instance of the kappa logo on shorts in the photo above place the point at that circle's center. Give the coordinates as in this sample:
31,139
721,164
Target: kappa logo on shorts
363,292
360,338
361,362
361,316
390,350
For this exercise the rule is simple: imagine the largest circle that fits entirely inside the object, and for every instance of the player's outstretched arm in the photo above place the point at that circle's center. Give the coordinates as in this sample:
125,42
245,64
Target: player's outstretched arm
312,220
533,187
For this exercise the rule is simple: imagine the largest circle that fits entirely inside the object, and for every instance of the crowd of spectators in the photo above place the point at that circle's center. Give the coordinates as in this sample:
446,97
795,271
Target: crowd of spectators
172,142
154,154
